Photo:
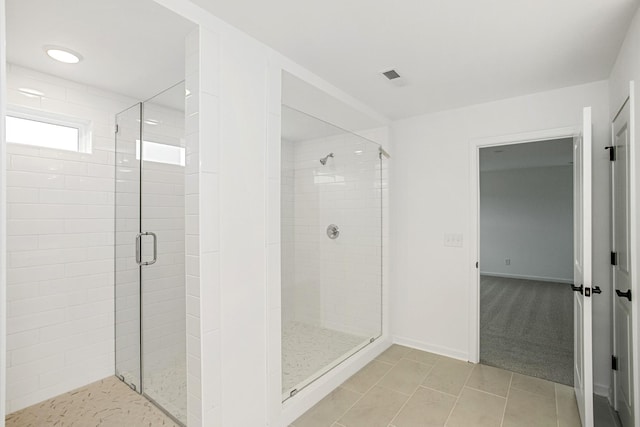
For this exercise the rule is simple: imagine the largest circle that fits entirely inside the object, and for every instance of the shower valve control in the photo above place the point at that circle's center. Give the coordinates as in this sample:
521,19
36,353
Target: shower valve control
333,231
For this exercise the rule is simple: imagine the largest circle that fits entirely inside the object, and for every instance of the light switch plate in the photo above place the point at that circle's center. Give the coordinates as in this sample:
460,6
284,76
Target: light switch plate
453,240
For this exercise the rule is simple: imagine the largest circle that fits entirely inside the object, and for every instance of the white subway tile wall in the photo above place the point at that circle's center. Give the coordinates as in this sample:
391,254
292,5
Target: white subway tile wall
333,284
60,246
287,230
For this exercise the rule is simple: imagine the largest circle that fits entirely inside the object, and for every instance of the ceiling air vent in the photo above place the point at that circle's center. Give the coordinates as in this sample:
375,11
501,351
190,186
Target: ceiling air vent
394,77
391,74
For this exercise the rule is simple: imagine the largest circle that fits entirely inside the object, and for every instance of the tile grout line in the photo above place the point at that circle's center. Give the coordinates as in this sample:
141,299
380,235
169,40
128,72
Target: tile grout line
437,391
412,394
487,392
504,411
369,389
459,394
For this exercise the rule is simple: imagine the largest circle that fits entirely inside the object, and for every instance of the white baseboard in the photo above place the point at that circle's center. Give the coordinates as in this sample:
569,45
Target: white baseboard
521,276
442,351
602,390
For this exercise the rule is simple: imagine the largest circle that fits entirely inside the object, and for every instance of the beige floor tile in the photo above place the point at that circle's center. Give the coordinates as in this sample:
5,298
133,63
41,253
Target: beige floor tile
422,357
405,376
478,409
533,385
525,409
376,409
568,415
329,409
426,408
393,354
367,377
489,379
448,376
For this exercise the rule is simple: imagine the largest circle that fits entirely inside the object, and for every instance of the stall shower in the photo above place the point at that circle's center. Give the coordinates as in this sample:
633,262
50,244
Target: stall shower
150,312
331,234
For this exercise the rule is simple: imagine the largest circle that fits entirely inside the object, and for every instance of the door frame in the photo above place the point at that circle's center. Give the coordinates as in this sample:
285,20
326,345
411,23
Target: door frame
634,224
474,226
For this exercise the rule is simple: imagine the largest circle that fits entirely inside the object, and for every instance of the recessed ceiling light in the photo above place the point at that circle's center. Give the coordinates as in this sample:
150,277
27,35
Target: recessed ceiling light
62,54
31,93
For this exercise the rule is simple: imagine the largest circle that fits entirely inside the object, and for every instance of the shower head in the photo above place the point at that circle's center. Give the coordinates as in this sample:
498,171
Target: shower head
325,158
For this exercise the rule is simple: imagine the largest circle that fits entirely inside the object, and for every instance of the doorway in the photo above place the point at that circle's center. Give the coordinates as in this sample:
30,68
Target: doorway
526,258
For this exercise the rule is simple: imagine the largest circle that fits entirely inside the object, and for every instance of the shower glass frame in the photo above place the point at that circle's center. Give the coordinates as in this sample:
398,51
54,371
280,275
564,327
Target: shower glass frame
358,162
135,239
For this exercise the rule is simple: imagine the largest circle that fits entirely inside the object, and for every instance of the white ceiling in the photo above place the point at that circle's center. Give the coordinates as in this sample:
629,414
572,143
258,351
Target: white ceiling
452,53
557,152
135,48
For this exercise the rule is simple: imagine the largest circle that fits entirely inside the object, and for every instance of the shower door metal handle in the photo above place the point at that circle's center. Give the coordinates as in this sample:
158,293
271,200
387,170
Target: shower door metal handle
139,248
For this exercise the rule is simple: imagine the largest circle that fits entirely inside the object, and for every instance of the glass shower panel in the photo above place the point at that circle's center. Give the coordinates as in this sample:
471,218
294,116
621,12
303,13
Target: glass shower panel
127,225
163,278
331,227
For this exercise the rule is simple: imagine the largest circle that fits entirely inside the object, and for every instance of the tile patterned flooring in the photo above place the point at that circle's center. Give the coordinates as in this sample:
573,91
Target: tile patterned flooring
404,387
106,403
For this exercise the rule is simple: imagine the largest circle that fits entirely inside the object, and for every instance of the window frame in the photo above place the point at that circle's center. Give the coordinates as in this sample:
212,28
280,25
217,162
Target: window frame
82,125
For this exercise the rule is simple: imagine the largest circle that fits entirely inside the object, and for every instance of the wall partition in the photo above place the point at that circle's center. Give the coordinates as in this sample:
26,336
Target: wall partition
331,234
149,270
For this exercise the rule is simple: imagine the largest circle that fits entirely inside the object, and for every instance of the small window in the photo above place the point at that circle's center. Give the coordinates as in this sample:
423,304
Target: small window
161,153
47,130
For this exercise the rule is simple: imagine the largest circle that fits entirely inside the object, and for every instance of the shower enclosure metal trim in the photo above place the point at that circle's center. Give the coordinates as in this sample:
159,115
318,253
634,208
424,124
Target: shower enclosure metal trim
333,159
136,379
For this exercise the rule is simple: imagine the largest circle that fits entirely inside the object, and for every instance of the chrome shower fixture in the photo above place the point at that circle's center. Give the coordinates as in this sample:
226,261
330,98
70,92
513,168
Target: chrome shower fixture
325,158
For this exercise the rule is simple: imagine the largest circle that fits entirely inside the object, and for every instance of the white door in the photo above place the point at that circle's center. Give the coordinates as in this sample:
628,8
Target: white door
621,260
582,354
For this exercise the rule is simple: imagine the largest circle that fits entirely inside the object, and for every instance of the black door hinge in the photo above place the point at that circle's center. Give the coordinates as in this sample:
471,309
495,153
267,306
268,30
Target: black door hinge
612,152
614,258
614,363
476,264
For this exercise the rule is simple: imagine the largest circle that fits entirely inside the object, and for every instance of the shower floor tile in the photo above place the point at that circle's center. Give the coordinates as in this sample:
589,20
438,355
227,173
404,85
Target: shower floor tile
106,403
166,384
307,350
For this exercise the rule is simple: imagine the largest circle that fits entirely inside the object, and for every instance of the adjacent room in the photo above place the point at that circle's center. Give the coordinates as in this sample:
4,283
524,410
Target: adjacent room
526,258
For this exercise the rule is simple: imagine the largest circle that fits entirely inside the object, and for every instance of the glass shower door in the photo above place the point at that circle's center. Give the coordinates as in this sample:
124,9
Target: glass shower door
331,235
150,311
127,226
164,377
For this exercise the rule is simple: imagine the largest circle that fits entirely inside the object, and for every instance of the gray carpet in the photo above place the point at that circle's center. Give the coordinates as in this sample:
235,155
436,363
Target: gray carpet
526,326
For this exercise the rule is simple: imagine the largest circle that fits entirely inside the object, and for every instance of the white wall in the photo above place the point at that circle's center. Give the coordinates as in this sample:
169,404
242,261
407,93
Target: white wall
526,216
625,70
60,247
432,196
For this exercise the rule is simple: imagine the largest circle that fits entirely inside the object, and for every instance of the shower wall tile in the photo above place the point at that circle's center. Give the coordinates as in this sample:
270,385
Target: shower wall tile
60,248
335,284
